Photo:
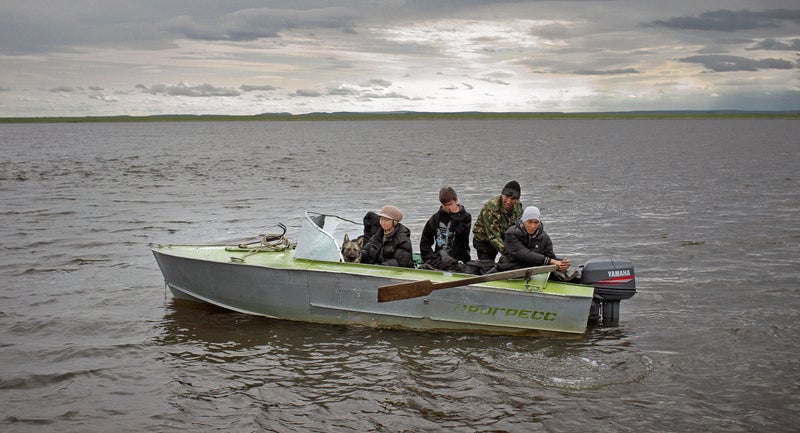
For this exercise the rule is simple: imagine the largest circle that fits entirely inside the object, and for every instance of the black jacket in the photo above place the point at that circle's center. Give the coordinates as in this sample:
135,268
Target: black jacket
395,250
446,231
524,250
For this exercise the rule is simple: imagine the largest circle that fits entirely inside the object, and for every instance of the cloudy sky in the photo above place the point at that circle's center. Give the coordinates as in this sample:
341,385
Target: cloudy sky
108,57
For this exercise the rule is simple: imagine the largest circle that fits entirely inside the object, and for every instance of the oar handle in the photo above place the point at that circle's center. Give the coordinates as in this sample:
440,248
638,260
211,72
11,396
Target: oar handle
415,289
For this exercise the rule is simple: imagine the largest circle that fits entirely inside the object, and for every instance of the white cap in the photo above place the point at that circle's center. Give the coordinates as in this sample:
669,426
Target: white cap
531,213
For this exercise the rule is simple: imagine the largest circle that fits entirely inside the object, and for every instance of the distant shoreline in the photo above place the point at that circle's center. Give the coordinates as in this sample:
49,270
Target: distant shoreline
408,116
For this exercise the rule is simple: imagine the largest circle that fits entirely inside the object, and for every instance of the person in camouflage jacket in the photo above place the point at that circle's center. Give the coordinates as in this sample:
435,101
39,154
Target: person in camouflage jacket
496,216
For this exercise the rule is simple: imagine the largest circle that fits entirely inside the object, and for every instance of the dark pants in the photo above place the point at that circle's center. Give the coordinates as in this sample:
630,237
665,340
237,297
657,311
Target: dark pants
485,250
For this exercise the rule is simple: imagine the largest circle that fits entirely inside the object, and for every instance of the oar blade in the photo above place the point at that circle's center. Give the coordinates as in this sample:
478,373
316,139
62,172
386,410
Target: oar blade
396,292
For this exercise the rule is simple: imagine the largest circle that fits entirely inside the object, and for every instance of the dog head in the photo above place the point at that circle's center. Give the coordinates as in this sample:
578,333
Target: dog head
351,250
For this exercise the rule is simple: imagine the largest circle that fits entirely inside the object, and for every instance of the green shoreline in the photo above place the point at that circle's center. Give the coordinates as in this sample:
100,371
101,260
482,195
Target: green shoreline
409,116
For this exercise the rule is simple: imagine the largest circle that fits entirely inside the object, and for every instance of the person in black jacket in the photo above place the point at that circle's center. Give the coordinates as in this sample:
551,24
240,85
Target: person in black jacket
444,244
528,245
391,245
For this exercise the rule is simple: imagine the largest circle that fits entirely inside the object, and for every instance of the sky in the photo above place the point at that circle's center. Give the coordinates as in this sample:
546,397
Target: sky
243,57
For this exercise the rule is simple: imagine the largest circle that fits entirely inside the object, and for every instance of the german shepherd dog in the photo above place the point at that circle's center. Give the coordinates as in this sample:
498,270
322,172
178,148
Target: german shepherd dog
351,250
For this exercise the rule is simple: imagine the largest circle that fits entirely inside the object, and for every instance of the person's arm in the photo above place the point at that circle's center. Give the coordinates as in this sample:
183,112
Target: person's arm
521,254
426,241
496,237
461,223
402,255
461,242
370,251
493,229
562,263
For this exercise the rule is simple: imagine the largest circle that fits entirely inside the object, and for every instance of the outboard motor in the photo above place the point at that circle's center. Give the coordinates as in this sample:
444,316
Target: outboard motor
613,281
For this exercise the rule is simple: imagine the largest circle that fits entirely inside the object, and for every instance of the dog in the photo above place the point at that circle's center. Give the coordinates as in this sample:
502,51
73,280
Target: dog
351,250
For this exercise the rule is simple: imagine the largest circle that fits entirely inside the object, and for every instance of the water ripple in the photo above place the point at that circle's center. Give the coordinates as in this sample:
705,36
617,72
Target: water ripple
91,340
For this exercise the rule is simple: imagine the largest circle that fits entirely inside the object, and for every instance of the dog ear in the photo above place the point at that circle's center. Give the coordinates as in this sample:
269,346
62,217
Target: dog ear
360,242
346,238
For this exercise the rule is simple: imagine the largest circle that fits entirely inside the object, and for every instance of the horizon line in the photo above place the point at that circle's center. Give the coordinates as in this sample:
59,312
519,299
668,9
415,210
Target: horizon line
400,114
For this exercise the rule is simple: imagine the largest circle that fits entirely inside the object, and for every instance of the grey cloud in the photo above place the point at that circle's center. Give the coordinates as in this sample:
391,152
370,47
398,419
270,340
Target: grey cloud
40,26
188,27
554,32
390,95
307,93
775,45
62,89
203,90
249,88
607,71
373,84
36,26
495,81
341,91
729,21
499,75
377,82
104,98
496,78
718,63
251,24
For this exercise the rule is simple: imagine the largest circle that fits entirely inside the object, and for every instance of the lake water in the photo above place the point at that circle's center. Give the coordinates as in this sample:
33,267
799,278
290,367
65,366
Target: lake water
707,210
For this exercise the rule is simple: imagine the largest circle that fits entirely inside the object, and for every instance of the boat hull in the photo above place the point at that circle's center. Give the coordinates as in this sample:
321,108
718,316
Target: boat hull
278,285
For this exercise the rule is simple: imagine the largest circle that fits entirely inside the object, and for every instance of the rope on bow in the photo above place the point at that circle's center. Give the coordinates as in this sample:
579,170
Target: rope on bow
267,242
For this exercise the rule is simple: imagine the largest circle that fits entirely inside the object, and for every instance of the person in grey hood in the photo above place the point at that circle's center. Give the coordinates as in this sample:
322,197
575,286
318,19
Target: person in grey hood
527,244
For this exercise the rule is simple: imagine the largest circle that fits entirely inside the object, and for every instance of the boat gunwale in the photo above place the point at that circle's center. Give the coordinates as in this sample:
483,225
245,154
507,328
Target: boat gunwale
388,272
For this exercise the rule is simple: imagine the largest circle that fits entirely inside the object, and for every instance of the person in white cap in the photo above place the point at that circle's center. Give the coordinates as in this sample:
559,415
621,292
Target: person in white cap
528,245
390,246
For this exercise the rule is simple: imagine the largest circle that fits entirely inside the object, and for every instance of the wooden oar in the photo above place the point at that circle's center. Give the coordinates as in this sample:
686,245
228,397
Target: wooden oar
415,289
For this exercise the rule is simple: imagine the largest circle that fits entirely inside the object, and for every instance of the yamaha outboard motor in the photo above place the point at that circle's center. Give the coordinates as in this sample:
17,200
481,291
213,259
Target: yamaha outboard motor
613,281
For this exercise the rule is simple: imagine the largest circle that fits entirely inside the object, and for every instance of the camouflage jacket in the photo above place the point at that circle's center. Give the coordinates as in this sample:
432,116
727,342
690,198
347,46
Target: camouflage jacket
493,221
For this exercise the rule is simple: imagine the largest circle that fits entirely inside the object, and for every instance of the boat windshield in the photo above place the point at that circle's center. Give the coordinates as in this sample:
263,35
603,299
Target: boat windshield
317,240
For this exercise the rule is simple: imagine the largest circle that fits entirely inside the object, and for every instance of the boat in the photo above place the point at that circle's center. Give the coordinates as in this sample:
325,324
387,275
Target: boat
308,281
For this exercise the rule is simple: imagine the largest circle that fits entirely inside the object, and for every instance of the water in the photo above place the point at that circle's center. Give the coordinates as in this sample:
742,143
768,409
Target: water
707,210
